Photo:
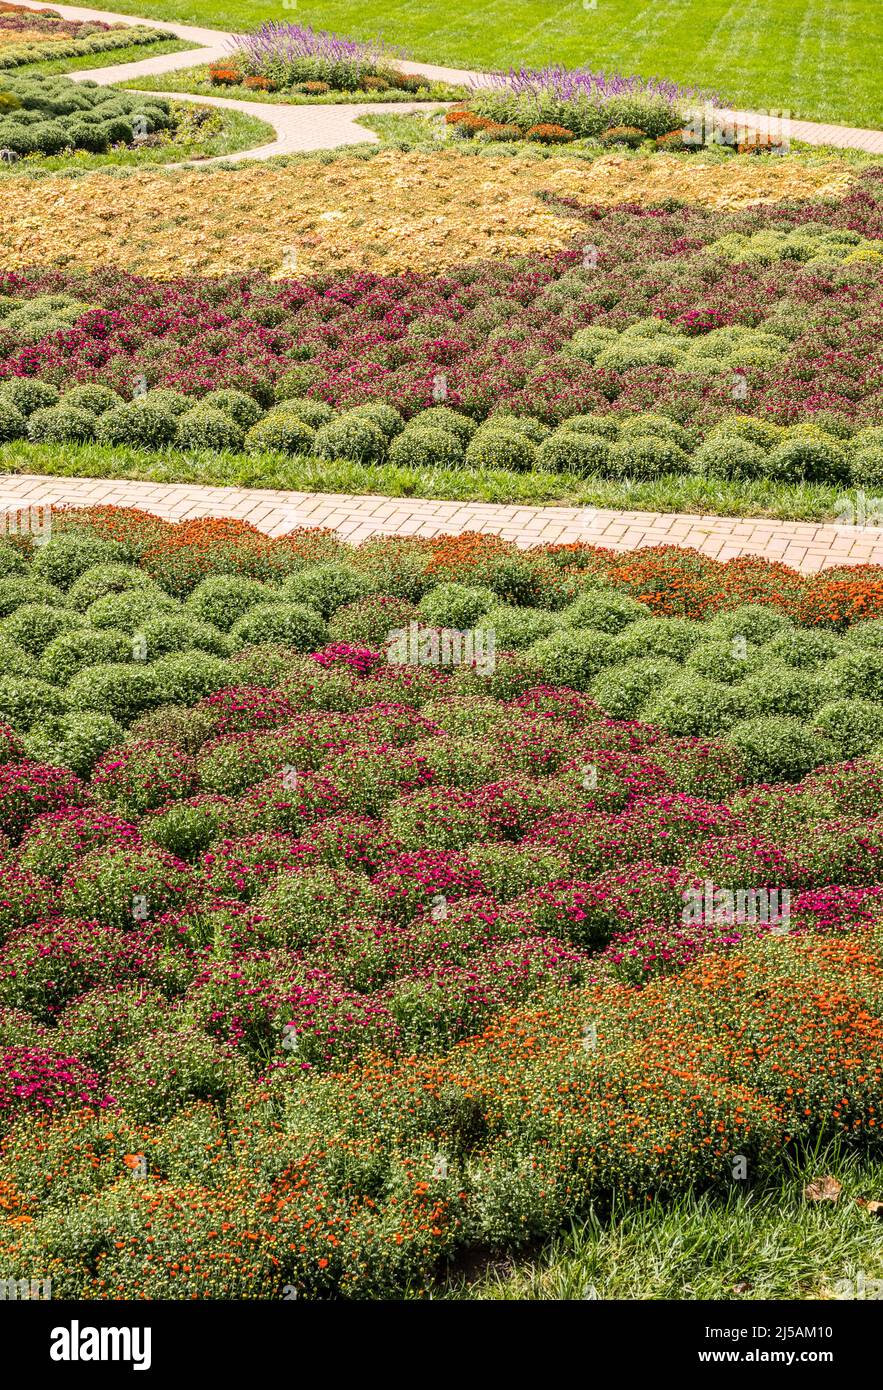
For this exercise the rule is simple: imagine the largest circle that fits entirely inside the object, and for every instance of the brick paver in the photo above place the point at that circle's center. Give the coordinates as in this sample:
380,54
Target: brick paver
807,546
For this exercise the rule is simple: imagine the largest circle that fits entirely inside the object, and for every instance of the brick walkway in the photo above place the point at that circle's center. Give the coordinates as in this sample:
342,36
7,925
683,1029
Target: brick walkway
806,546
327,127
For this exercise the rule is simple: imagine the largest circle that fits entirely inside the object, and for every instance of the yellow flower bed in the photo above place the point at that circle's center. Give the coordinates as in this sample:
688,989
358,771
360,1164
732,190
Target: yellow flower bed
397,211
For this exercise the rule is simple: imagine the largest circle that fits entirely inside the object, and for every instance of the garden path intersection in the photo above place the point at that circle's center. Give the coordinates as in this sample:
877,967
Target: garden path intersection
303,128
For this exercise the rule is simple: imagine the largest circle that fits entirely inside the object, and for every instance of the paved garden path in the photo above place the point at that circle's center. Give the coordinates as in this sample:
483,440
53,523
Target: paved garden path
300,128
806,546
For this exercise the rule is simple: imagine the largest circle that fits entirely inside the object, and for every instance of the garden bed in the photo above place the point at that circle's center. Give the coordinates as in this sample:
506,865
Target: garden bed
665,343
50,123
304,911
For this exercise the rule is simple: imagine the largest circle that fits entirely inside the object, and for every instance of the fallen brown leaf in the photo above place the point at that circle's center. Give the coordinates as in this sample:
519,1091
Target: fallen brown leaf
825,1189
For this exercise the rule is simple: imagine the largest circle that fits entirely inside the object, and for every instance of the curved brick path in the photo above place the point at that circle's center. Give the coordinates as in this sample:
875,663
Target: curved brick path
806,546
327,127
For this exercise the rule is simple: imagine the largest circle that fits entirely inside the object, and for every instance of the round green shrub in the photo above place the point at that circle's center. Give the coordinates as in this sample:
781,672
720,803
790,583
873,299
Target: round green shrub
572,451
92,397
27,394
130,610
384,416
722,660
325,587
221,599
178,632
855,674
15,662
531,428
183,677
642,456
73,651
98,580
426,448
756,622
355,439
691,707
442,417
649,425
776,748
299,907
239,406
515,628
60,424
13,422
186,828
803,648
763,433
292,623
280,433
75,740
311,412
865,466
608,611
604,426
571,658
853,726
138,423
169,401
671,638
729,456
623,690
122,691
206,428
16,589
807,461
34,625
66,557
456,605
25,701
501,447
781,691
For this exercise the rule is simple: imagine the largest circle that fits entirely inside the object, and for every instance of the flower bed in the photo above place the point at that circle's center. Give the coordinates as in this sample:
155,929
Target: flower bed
582,102
45,115
675,341
29,36
289,926
291,54
386,212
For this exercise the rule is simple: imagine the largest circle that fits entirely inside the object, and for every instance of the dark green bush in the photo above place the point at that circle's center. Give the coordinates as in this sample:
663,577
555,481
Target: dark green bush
242,408
206,428
501,447
778,748
61,424
92,397
138,423
26,393
350,437
280,433
426,448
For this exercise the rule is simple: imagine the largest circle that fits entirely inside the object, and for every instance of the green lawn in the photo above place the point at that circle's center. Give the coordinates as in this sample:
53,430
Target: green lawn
784,501
809,57
771,1244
